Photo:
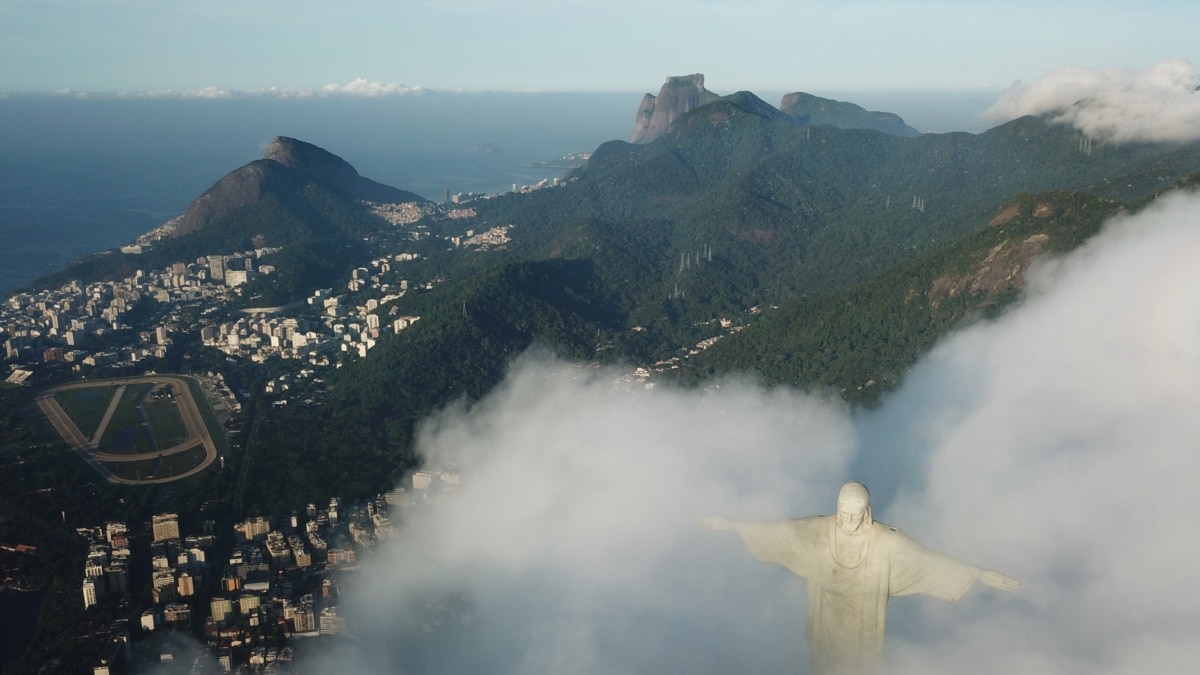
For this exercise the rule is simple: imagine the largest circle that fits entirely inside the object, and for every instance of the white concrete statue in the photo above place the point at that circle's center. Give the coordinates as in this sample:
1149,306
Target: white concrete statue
853,564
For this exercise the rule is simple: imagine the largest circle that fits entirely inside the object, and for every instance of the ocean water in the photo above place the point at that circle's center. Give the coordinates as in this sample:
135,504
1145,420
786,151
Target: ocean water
84,174
18,619
79,175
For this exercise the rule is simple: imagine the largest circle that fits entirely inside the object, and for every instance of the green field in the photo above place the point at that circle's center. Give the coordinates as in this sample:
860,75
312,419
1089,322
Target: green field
170,466
86,407
128,431
125,433
165,421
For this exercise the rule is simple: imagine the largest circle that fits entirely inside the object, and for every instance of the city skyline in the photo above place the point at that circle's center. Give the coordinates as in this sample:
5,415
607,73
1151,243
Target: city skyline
368,47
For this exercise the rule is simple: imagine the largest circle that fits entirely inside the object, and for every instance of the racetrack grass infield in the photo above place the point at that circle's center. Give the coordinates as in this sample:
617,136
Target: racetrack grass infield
166,467
125,433
166,422
86,407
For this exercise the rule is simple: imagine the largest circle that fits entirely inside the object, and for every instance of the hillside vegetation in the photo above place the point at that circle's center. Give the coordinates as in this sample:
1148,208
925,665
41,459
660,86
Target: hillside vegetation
811,256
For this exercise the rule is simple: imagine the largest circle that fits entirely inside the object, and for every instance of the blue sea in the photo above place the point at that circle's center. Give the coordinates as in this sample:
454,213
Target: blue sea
79,174
18,619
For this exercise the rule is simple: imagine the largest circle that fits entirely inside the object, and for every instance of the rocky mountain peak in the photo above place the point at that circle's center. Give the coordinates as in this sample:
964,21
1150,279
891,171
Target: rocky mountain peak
287,166
314,162
678,95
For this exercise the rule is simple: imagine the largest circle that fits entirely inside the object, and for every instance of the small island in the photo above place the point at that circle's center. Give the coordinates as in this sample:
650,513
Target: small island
572,160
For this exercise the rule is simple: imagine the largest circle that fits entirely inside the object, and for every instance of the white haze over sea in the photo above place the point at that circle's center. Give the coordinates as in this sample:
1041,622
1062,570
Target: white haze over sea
1057,444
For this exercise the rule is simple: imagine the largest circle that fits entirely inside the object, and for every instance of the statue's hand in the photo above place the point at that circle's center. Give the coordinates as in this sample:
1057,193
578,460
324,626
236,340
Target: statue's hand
997,580
715,522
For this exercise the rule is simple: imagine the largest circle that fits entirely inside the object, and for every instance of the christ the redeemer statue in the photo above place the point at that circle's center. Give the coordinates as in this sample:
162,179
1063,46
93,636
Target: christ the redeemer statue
853,564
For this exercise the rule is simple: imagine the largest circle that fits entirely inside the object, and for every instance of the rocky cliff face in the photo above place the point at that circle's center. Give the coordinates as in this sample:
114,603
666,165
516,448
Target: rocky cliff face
816,111
287,165
677,96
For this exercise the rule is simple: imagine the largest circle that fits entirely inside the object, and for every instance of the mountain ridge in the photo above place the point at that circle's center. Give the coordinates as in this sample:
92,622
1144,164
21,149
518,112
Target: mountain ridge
810,238
299,198
813,110
681,94
287,165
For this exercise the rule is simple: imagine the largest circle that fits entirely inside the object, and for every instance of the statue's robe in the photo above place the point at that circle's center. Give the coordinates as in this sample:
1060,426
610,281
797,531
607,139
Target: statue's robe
847,599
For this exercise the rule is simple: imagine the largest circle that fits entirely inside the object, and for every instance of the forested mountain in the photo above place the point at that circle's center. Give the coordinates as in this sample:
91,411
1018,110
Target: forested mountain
299,198
740,205
859,342
856,249
288,166
816,111
788,210
813,256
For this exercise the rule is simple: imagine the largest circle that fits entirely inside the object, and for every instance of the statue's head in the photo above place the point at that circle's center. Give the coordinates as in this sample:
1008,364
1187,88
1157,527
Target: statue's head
854,508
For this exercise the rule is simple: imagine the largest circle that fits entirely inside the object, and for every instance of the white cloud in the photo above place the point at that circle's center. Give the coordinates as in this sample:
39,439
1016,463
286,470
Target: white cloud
361,86
356,87
1057,444
1159,104
574,538
208,92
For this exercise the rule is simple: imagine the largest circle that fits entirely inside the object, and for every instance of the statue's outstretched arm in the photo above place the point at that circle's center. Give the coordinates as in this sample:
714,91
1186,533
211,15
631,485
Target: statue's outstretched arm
997,580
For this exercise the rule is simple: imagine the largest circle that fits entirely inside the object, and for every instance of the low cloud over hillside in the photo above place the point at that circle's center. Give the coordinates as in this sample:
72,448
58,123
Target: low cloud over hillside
1159,104
1056,444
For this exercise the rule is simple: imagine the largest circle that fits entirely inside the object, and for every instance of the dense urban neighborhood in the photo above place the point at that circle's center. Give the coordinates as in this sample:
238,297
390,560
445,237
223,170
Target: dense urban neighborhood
247,594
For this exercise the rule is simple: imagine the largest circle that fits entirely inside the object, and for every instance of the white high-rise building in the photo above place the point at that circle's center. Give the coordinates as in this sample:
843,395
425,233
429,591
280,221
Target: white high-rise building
90,597
220,608
304,619
165,526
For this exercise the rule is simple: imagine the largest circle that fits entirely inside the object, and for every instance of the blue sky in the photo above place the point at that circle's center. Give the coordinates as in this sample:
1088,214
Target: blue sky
571,45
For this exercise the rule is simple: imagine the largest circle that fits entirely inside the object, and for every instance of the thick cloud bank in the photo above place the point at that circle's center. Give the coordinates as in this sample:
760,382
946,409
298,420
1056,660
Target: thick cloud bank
1160,104
572,544
1063,445
1058,444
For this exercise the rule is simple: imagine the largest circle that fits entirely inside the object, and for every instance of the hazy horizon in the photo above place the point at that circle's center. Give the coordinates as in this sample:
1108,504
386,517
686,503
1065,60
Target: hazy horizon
472,45
927,110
